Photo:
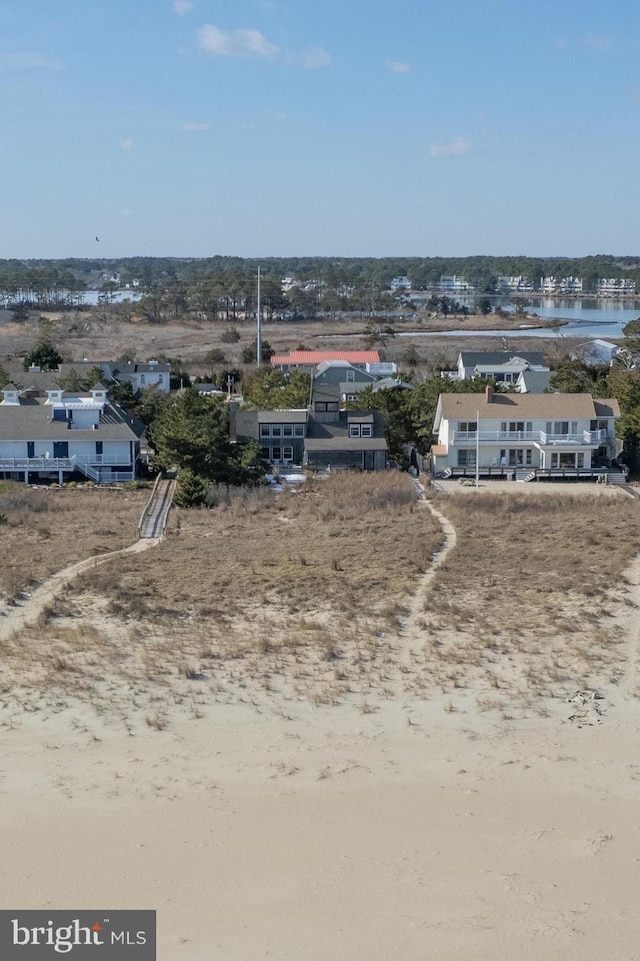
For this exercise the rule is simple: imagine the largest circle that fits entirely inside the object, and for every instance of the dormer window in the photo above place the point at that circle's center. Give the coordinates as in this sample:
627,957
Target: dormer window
59,413
10,395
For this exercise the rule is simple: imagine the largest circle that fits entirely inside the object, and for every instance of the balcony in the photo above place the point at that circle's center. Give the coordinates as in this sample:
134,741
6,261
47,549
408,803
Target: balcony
584,438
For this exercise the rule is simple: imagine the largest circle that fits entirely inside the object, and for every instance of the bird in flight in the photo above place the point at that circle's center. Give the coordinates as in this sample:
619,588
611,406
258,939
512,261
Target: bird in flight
98,239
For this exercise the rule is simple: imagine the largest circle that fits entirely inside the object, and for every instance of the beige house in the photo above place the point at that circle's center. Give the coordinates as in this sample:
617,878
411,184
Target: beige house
540,435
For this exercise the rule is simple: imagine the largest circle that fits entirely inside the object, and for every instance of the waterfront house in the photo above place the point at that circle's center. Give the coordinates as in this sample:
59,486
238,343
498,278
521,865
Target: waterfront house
52,434
538,435
500,365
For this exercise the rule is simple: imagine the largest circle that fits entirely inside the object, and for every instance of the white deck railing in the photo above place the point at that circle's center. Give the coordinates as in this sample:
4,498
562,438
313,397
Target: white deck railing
580,439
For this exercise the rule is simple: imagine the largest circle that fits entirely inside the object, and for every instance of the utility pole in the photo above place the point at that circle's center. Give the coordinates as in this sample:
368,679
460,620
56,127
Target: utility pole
259,326
477,449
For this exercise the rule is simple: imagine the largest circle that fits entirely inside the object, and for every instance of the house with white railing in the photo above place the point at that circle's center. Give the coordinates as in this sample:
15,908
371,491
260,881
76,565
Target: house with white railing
502,366
53,433
524,435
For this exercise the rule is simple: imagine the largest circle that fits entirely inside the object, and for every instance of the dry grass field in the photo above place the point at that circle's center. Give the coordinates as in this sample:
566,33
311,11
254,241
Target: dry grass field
81,336
301,592
320,595
47,529
535,597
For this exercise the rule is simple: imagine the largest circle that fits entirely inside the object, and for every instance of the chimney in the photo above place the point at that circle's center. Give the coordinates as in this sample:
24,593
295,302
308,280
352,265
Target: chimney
488,394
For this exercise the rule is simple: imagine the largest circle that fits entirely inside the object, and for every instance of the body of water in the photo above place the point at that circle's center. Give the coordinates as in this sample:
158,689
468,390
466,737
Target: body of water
585,331
91,296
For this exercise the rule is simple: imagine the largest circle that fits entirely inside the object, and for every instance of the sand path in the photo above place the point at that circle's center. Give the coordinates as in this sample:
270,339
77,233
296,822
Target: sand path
410,627
29,612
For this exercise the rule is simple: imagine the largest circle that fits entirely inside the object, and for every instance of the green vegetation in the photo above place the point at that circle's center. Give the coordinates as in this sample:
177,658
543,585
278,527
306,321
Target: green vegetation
44,355
191,432
267,389
409,414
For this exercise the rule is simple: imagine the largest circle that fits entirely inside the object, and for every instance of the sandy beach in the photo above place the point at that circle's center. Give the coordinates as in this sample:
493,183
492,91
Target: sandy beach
337,834
436,808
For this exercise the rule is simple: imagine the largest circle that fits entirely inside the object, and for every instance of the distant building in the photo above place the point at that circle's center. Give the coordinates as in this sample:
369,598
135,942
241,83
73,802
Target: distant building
499,365
309,359
608,286
595,352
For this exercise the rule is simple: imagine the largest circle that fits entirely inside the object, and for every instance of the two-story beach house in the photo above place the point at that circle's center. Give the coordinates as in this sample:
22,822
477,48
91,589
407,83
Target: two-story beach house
540,435
51,434
502,366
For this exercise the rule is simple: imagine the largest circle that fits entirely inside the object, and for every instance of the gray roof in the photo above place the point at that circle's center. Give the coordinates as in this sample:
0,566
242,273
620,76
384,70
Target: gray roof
335,436
244,423
472,358
281,416
390,383
535,381
31,420
113,369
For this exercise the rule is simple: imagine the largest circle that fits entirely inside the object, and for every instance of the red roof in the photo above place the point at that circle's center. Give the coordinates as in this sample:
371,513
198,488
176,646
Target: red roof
311,357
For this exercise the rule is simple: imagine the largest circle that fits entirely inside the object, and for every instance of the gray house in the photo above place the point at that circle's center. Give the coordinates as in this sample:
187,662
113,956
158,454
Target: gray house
346,438
280,433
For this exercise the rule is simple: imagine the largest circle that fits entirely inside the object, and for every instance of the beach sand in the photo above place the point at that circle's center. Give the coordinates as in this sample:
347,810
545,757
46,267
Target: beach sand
405,832
410,823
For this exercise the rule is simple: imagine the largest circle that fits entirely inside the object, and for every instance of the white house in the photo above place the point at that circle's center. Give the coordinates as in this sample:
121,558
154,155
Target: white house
546,434
54,433
500,365
153,373
595,352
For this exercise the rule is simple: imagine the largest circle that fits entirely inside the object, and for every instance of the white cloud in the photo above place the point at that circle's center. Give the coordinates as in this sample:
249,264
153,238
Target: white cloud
235,43
311,59
455,147
28,61
398,66
182,7
560,43
126,143
195,126
598,41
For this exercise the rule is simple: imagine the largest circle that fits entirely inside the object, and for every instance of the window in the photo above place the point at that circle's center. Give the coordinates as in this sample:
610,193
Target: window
276,453
287,430
265,453
580,459
351,376
366,430
141,379
467,427
354,430
299,430
59,413
466,458
276,430
264,430
60,448
99,447
287,453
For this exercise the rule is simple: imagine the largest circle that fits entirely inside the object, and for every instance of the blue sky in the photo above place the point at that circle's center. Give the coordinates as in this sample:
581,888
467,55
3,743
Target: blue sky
335,127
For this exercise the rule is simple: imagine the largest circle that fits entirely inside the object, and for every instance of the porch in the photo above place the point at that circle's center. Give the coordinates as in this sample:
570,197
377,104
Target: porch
67,465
